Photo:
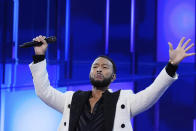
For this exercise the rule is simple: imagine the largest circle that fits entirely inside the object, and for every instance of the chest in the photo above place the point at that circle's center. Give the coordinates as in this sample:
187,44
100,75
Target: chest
92,103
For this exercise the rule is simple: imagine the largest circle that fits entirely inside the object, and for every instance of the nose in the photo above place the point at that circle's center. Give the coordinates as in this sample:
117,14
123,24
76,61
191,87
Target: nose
99,70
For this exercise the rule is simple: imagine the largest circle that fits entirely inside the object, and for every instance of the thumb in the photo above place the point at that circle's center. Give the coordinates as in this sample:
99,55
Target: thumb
43,40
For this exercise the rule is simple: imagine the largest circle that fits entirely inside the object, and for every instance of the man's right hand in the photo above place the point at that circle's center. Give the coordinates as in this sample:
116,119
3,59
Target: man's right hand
40,50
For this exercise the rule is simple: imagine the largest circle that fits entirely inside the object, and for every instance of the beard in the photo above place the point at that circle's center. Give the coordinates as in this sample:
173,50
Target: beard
101,85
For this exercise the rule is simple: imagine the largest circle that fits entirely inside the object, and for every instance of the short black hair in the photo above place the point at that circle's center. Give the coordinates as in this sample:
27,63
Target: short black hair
108,58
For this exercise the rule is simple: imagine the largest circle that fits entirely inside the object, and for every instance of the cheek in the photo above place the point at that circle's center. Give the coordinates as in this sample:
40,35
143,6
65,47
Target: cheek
108,74
91,73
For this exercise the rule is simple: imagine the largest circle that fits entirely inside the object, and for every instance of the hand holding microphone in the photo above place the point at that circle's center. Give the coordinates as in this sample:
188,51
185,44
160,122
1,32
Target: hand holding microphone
40,50
40,44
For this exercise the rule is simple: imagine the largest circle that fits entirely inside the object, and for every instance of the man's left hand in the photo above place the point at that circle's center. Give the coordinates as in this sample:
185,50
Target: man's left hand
177,55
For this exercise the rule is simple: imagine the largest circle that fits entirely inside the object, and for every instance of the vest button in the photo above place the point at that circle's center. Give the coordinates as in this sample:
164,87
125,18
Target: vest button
69,106
122,106
64,123
123,125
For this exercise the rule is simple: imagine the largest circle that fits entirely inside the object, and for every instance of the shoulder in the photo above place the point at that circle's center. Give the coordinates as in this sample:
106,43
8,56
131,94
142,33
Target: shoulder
124,92
80,94
68,93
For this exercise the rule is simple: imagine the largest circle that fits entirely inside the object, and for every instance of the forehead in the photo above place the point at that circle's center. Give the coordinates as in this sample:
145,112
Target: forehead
102,60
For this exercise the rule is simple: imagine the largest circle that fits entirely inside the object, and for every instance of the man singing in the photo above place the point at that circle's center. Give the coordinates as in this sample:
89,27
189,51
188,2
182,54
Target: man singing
101,109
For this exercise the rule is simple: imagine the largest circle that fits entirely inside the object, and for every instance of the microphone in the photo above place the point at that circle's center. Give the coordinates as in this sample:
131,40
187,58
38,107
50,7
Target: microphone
51,39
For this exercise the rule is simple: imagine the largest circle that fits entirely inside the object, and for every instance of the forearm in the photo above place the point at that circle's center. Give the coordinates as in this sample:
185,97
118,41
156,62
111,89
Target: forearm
48,94
146,98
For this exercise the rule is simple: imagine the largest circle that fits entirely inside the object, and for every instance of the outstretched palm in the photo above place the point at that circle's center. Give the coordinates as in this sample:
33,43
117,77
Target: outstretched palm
177,55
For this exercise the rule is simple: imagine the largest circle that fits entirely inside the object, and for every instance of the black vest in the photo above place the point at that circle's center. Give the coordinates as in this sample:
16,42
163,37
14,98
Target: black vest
79,99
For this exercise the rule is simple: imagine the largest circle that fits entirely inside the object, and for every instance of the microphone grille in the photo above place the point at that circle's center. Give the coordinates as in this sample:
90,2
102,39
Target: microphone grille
51,39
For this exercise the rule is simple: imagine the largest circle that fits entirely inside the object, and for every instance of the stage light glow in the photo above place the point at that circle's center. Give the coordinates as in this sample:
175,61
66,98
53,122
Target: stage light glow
175,19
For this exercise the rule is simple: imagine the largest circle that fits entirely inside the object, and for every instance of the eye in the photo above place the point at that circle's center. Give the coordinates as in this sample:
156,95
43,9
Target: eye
94,66
105,67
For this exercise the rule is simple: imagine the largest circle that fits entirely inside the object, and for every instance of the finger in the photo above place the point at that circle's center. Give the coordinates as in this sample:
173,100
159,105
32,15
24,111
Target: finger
190,54
170,46
41,37
43,40
181,41
44,37
189,47
186,43
37,39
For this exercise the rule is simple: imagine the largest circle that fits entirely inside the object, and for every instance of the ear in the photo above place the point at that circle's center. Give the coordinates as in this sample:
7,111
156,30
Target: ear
113,77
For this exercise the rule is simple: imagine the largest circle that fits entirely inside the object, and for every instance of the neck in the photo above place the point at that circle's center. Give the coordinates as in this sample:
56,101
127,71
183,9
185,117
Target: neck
97,93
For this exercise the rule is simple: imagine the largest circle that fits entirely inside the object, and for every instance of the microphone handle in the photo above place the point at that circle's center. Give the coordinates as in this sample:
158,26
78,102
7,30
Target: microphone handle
35,43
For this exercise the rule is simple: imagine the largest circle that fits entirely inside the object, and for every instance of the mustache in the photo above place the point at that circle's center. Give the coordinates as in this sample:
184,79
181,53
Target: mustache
99,75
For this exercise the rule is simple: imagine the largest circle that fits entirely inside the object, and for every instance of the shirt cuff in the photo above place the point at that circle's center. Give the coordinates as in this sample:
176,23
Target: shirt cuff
171,69
38,58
